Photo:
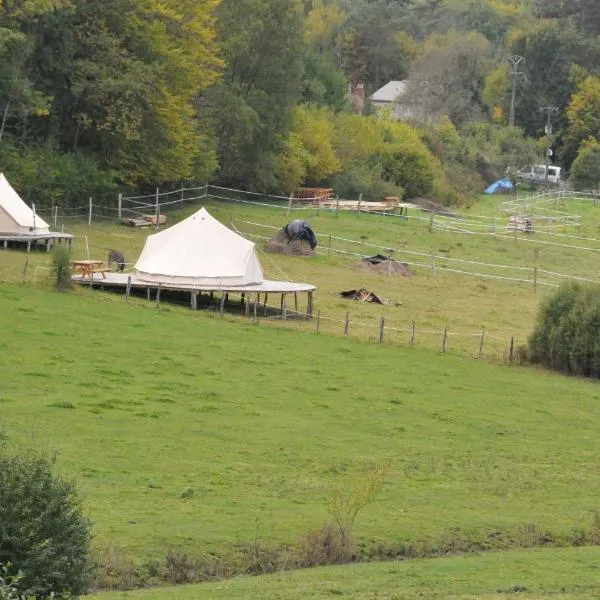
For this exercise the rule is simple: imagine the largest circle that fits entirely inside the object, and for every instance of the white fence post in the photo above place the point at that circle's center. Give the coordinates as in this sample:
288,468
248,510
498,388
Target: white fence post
90,214
120,206
157,210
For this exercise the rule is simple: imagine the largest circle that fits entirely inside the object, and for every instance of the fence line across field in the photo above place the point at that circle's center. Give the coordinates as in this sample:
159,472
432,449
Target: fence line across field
347,325
438,260
436,221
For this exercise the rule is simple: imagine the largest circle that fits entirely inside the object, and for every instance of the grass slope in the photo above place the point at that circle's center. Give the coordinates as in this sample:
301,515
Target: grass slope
565,574
434,300
259,422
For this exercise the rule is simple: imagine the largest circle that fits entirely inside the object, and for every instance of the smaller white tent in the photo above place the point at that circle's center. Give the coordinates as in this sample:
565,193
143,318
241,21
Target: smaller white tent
199,251
15,216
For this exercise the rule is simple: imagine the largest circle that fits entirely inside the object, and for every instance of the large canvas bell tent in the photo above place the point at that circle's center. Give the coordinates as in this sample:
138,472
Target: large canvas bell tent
16,218
199,251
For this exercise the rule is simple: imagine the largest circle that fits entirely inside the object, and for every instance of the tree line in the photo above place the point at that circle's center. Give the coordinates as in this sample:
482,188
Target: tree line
100,94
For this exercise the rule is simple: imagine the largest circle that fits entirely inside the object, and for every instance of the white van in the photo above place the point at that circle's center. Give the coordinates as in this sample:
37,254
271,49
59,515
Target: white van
537,174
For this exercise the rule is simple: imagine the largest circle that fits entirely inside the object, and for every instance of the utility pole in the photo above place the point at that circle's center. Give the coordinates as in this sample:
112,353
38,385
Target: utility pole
515,60
548,131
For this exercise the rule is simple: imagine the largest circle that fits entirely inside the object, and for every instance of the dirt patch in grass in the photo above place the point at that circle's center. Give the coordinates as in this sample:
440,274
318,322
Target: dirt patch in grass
384,266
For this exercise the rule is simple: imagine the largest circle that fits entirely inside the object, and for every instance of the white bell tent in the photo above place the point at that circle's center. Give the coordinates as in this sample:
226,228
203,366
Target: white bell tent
16,218
199,251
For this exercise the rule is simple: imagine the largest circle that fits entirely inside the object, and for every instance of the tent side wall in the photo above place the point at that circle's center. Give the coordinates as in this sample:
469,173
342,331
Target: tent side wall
9,225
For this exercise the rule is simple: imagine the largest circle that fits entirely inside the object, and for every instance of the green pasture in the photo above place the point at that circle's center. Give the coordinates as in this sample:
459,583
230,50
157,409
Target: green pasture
434,298
188,431
564,574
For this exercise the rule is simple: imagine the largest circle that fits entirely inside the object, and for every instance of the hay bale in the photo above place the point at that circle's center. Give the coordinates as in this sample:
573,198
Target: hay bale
383,266
282,244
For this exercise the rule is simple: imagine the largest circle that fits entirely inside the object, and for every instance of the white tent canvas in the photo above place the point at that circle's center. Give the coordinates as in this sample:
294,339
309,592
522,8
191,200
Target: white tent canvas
15,216
199,251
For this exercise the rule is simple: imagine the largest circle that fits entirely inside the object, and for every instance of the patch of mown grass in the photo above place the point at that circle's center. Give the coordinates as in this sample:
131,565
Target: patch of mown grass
565,574
472,447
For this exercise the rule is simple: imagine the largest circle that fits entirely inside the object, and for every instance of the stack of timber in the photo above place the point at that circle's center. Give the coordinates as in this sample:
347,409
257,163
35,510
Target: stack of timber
387,205
145,220
312,195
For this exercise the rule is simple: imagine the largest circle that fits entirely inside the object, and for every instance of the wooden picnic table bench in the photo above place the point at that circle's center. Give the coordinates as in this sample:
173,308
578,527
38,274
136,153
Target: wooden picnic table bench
88,267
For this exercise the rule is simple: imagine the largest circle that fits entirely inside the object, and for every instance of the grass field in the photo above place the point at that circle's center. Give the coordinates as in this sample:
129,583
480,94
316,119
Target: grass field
187,431
565,574
260,422
465,304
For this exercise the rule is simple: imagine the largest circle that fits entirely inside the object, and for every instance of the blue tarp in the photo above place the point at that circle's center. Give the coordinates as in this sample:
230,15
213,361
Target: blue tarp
502,186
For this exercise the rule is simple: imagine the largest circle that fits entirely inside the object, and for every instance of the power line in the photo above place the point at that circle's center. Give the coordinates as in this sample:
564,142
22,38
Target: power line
515,60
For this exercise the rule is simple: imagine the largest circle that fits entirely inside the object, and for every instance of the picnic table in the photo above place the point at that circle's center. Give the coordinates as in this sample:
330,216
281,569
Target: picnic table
88,267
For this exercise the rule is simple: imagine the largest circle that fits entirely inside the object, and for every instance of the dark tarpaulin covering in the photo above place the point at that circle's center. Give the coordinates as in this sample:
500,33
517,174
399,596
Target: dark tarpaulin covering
301,230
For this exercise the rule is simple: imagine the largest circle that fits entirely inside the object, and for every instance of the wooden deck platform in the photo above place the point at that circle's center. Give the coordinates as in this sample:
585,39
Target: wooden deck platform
249,294
31,240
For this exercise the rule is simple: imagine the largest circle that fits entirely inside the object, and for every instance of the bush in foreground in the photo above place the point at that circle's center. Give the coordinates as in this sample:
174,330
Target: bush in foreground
61,267
44,536
566,337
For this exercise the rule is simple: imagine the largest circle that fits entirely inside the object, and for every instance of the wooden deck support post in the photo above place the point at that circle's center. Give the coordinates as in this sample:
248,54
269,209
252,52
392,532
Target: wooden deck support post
158,295
284,303
256,303
295,302
265,304
222,303
148,294
247,309
128,288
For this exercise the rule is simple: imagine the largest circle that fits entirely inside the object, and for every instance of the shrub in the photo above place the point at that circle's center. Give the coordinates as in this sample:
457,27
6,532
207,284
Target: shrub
44,536
61,267
566,338
8,590
585,172
326,546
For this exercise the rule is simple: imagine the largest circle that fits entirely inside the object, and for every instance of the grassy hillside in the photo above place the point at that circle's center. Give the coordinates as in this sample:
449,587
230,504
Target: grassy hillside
562,574
433,299
259,423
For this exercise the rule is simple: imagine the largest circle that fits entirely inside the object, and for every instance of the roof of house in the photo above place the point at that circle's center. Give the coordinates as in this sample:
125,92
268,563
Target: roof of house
390,91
